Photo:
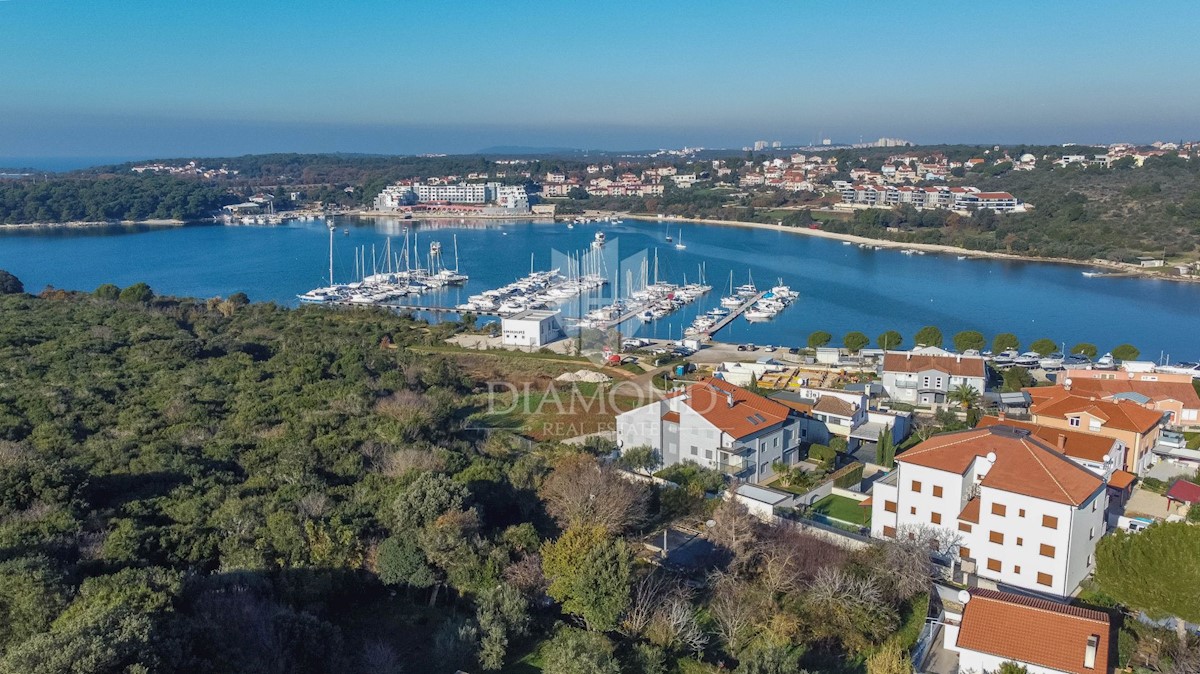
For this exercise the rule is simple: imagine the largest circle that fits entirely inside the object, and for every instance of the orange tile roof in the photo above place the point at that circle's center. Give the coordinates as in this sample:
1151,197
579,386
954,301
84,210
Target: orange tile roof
1034,631
1184,392
1024,464
1087,446
959,366
749,414
832,405
1121,479
970,512
1124,415
994,195
672,417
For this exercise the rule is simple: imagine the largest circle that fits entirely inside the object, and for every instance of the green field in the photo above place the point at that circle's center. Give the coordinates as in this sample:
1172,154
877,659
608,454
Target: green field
842,508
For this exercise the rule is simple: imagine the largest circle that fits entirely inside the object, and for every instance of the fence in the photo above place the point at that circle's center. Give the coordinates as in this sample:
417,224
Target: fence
839,537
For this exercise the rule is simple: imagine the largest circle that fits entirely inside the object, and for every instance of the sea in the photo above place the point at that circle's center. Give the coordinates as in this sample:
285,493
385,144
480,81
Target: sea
842,287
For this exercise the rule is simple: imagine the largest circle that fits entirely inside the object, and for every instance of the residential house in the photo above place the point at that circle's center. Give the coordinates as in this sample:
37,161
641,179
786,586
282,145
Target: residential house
928,378
1042,636
1163,391
1135,426
1102,455
717,425
1011,509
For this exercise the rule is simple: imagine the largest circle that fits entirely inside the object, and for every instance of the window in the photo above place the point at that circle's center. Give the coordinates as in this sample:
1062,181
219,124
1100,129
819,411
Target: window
695,450
939,382
935,518
1049,522
964,553
937,491
1094,425
1020,541
999,509
1091,560
889,532
1094,504
1045,579
912,510
1047,550
924,382
1091,533
1089,654
993,565
963,526
889,506
1075,421
996,537
1021,512
708,454
916,486
1016,569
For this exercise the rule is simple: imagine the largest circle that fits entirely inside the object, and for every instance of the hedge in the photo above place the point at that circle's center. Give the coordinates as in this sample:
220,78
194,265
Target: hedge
848,476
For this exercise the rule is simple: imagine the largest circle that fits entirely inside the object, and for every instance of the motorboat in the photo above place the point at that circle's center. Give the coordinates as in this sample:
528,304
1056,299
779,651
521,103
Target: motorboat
756,315
1005,358
1028,359
1105,362
598,241
1077,360
1053,361
1192,369
732,302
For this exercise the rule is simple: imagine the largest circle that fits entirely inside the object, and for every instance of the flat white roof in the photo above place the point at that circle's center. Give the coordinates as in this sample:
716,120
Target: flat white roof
762,494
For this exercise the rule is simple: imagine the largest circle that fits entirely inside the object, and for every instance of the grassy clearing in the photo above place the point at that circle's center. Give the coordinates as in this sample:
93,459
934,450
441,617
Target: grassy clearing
842,508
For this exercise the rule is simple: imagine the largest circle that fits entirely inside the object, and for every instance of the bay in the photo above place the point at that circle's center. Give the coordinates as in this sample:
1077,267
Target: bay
842,287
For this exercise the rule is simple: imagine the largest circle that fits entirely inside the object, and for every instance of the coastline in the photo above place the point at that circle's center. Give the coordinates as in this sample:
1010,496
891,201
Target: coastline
1112,269
79,224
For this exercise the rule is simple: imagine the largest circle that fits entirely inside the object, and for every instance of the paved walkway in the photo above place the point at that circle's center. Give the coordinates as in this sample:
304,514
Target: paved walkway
1144,502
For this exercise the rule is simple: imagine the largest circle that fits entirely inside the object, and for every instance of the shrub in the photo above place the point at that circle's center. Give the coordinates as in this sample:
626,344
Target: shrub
823,454
848,476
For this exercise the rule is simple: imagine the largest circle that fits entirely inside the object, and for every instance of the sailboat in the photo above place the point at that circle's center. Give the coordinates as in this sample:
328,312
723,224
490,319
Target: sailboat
667,236
732,299
680,245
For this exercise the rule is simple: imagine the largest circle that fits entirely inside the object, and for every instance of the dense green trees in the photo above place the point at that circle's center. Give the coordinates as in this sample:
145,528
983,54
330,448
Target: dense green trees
1005,341
969,339
1043,346
889,340
1086,349
930,335
108,197
1153,570
855,341
819,339
1126,352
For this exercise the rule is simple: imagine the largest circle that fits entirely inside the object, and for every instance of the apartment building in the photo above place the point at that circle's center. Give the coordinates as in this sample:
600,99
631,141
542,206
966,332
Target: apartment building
1172,394
717,425
1137,427
1018,512
928,378
963,199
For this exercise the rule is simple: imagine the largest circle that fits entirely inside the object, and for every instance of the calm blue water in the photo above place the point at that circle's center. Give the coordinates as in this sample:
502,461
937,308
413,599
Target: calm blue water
842,287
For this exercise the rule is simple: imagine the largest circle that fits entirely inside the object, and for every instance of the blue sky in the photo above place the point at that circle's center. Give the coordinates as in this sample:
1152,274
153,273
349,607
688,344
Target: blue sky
153,78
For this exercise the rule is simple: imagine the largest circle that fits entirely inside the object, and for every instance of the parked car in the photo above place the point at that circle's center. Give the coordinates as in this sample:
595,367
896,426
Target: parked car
793,350
769,349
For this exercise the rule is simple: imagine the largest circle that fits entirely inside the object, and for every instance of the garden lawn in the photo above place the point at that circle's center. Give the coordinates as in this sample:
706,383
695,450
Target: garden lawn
843,508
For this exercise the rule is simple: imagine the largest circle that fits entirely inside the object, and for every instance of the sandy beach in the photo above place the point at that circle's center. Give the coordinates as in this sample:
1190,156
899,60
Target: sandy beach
1112,268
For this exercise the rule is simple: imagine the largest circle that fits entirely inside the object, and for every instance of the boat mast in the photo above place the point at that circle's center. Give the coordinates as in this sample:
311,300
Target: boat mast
331,253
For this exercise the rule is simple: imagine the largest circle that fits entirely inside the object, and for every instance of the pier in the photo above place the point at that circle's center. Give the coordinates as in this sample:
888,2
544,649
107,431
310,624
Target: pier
417,307
716,327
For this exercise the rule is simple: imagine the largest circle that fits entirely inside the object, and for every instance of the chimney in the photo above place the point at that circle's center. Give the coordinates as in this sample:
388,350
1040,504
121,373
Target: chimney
908,355
729,397
958,358
1062,443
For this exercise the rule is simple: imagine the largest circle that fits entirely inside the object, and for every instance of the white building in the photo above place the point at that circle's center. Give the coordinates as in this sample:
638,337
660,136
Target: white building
927,378
532,329
1020,513
716,425
1043,636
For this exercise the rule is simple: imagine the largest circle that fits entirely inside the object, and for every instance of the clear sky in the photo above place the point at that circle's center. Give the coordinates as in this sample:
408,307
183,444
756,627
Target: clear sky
156,78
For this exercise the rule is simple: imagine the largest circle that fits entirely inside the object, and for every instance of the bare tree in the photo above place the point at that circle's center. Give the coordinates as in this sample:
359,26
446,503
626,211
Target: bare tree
677,624
734,529
582,492
789,558
526,575
906,561
736,607
647,598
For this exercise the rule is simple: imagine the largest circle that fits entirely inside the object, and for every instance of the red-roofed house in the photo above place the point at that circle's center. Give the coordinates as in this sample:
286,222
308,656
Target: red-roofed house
1163,391
1135,426
927,378
1022,513
1043,636
717,425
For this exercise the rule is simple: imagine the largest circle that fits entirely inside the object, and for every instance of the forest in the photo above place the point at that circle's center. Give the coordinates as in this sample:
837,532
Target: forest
225,486
76,198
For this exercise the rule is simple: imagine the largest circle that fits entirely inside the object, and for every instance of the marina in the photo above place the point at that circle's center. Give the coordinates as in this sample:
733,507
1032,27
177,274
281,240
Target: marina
842,288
